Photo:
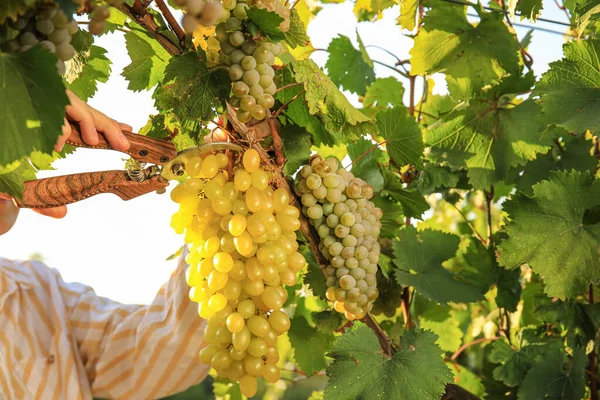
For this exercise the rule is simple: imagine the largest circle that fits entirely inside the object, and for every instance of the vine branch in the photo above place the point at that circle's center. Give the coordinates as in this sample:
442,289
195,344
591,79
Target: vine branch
474,342
164,9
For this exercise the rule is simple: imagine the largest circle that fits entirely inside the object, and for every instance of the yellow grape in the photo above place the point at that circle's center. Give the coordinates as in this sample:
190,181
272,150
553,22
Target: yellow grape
194,167
257,347
242,180
279,321
253,366
270,339
217,302
271,373
246,308
272,355
222,206
223,262
179,193
259,326
260,179
243,244
205,267
241,339
272,298
251,160
281,199
253,288
210,167
235,322
238,272
248,385
221,359
232,289
237,225
206,354
222,160
254,199
237,355
217,280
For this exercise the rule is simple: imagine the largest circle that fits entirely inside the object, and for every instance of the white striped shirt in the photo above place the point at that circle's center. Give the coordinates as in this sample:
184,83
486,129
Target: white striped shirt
61,341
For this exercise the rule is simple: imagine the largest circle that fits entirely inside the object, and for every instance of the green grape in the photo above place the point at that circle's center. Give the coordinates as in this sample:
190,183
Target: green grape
233,24
240,89
28,39
258,112
251,77
256,91
357,273
236,56
347,282
229,4
243,116
221,32
247,102
265,69
266,81
65,51
44,26
241,11
261,54
266,100
248,63
249,46
237,39
248,385
271,89
314,212
351,263
227,47
277,49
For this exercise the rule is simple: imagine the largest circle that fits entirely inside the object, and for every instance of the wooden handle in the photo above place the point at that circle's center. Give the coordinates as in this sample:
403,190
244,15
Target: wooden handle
62,190
143,148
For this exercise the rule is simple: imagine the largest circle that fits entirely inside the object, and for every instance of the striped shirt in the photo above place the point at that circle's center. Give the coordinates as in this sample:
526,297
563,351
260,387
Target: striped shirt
61,341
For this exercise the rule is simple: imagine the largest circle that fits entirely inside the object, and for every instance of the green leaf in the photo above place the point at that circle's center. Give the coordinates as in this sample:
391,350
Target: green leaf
96,69
148,61
408,14
349,67
419,258
12,177
296,36
361,371
570,89
402,135
192,89
267,22
487,140
584,11
390,293
448,331
33,101
529,9
412,201
327,321
514,363
434,177
325,100
314,277
383,93
296,147
556,376
471,56
367,166
548,233
13,8
310,345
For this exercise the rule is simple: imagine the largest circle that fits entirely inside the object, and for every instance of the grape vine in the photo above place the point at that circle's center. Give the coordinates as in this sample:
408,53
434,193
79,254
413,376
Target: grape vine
407,238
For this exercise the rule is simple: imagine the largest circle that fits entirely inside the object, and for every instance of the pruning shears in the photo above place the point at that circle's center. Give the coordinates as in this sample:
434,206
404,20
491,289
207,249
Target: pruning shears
137,180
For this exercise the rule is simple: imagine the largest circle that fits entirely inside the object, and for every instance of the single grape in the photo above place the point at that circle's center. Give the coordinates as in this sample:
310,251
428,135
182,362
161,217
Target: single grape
249,46
248,63
258,112
256,91
261,54
240,89
247,102
233,24
251,77
266,100
237,39
241,11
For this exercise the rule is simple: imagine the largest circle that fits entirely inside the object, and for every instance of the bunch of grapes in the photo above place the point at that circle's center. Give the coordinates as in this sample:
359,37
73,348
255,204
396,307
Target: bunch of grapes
348,224
250,63
46,25
200,12
242,241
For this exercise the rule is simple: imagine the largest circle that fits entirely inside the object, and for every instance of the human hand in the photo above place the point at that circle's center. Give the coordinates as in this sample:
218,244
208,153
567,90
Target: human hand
92,121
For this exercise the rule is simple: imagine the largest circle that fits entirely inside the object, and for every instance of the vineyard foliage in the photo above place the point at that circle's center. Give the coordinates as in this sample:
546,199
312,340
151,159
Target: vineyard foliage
490,234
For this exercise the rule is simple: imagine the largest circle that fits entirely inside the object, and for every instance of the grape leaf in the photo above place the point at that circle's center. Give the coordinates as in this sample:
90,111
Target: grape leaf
408,13
96,69
32,100
448,331
314,276
393,217
296,36
412,201
325,100
310,345
434,177
13,8
402,136
529,9
471,56
296,147
550,234
348,67
514,362
191,88
556,376
12,177
267,22
570,89
148,61
367,166
424,252
487,139
361,371
384,92
327,321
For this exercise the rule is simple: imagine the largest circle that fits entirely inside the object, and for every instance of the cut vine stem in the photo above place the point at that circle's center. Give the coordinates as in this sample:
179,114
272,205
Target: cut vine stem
164,9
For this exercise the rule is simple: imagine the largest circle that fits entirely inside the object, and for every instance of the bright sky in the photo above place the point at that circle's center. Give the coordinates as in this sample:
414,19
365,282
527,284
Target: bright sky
119,248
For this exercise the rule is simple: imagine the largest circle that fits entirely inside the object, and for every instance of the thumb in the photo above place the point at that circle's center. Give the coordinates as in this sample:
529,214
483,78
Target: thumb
54,212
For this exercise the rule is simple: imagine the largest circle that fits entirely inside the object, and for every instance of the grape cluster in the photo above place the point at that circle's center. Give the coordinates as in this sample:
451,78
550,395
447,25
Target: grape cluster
242,241
337,205
47,26
200,12
250,63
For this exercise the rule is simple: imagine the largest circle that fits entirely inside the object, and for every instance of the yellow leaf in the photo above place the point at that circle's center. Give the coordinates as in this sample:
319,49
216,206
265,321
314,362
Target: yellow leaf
201,35
338,151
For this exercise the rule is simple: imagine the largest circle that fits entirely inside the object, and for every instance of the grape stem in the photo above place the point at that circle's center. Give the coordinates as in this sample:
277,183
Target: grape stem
289,85
277,143
283,107
467,345
164,9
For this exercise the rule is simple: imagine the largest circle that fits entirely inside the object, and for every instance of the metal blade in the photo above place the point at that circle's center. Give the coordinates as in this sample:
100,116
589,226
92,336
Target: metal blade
176,167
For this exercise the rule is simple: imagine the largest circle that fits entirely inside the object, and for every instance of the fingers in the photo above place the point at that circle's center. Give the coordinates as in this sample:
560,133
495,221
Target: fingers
124,127
111,130
54,212
80,112
62,139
